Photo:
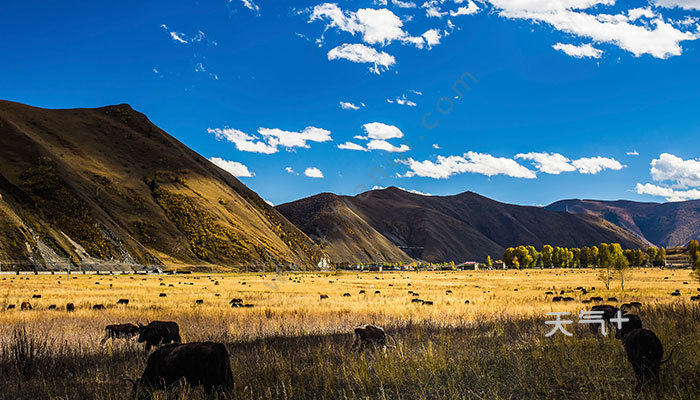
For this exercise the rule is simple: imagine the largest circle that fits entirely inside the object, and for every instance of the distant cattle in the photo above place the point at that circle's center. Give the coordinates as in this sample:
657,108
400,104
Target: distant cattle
25,306
98,307
557,298
239,302
36,296
199,301
634,322
695,298
362,292
568,299
120,331
123,301
645,352
427,303
11,307
612,298
204,364
450,292
159,332
547,293
70,307
369,335
676,293
377,292
416,301
162,295
323,296
346,294
466,301
596,298
52,307
586,301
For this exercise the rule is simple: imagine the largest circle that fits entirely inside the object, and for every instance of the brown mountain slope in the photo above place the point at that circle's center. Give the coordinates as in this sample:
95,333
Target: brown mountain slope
339,231
661,224
106,185
468,226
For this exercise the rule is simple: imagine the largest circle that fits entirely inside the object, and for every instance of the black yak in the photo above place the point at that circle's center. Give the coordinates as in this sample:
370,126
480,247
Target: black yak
645,352
159,332
120,331
369,335
204,364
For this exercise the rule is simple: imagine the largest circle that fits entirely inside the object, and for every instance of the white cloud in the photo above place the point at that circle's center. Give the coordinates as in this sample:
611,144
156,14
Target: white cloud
684,4
403,100
470,9
549,163
403,4
378,144
683,173
593,165
178,37
345,105
436,146
359,53
313,172
632,153
471,162
289,169
379,130
580,51
555,163
432,37
249,4
232,167
351,146
432,9
657,37
271,204
669,194
273,138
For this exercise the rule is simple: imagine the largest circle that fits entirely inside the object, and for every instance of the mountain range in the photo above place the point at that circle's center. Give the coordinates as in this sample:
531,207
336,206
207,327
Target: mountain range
105,188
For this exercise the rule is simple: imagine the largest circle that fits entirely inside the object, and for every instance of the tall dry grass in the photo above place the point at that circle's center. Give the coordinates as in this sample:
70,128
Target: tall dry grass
292,345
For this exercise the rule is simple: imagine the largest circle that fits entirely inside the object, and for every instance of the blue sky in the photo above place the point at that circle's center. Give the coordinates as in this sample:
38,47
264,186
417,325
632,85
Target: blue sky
566,99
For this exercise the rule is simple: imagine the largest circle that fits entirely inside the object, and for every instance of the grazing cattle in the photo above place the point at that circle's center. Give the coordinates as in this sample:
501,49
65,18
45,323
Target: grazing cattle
11,307
369,335
557,298
645,352
98,307
608,312
199,301
323,296
159,332
377,292
596,298
362,292
416,301
239,302
676,293
568,299
586,301
346,294
547,293
628,326
162,295
466,301
36,296
695,298
120,331
204,364
25,306
70,307
450,292
52,307
427,303
123,301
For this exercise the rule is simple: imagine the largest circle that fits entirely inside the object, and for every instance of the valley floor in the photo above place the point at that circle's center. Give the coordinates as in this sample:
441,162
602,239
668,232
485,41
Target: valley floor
293,345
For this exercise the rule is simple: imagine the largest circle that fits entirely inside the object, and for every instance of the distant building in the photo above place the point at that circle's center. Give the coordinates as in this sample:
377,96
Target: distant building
473,265
499,265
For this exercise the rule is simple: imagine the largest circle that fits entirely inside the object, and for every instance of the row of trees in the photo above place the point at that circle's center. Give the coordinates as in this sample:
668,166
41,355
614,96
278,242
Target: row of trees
610,258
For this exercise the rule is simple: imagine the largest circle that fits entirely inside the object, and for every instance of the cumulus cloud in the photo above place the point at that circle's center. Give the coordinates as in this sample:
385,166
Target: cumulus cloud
469,9
684,4
271,139
346,105
471,162
632,153
379,130
555,163
668,193
657,37
682,173
359,53
232,167
593,165
404,4
313,172
351,146
386,146
580,51
249,4
432,37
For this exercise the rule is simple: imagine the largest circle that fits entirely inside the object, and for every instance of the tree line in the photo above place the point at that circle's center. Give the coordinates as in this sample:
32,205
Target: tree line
610,258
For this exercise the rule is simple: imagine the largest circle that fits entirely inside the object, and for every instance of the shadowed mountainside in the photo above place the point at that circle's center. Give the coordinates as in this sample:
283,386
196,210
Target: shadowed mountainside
462,227
104,187
662,224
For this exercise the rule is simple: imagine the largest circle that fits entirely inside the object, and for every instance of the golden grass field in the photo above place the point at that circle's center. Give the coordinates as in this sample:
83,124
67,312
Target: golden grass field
292,344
